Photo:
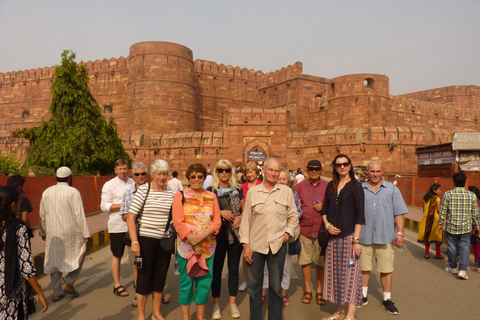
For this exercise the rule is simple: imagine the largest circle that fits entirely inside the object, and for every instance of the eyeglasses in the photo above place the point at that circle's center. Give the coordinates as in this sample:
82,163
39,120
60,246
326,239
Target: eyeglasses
198,176
220,170
344,164
139,174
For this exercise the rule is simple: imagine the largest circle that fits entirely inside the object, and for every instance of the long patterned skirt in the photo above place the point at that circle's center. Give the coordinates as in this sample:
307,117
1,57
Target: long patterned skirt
342,283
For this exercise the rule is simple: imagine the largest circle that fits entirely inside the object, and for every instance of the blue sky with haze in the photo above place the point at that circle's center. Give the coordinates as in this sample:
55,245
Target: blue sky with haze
419,45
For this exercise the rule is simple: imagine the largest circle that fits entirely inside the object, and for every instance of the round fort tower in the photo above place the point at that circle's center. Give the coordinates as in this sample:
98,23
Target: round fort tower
358,101
160,92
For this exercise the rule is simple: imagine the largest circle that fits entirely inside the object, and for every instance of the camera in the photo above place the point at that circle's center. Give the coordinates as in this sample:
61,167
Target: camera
138,262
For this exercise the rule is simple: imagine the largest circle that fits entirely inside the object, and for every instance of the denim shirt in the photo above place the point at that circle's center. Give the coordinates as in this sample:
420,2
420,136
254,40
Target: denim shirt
380,211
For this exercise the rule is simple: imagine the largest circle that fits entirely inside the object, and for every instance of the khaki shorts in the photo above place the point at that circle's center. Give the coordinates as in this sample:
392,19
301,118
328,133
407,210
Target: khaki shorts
383,256
310,252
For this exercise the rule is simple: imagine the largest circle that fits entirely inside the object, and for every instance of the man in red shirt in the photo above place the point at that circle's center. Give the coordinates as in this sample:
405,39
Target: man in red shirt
311,193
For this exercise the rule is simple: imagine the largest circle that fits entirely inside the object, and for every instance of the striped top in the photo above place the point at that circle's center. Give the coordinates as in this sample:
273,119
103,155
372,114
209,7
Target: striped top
155,213
460,210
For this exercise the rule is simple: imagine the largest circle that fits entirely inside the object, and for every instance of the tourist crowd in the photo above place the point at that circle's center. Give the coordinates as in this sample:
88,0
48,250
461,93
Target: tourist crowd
261,215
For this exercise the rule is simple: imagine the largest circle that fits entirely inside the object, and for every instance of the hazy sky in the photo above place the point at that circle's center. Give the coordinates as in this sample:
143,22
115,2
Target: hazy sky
419,45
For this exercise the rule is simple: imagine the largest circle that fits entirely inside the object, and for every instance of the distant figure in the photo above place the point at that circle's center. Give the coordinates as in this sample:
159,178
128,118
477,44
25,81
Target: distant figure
64,229
174,183
299,177
112,195
208,179
475,238
458,213
17,182
428,229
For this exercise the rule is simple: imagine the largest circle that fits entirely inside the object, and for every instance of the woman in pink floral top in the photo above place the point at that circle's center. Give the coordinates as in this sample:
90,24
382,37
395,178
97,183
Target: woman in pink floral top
196,216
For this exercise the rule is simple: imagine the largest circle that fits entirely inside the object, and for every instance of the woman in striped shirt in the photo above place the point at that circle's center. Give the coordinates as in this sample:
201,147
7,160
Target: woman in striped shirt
156,201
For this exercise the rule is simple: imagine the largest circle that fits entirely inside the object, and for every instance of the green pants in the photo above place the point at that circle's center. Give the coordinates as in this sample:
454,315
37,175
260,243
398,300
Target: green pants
202,285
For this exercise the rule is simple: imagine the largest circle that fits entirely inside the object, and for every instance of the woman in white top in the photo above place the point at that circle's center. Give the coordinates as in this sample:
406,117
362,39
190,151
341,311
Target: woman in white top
156,201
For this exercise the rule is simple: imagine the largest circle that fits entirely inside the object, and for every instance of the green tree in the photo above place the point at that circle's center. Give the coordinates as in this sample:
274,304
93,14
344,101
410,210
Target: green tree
77,135
9,165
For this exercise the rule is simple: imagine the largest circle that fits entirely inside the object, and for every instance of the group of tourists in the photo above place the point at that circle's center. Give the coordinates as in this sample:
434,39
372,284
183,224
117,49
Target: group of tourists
341,226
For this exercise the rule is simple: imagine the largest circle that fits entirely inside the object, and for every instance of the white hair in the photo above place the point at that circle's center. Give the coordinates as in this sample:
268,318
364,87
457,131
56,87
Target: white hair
159,165
138,165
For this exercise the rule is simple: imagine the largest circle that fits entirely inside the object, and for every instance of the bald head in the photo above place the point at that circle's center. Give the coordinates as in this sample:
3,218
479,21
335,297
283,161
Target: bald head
376,164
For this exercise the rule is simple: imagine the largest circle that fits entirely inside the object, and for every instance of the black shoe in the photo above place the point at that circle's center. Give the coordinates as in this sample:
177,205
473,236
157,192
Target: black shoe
390,306
364,302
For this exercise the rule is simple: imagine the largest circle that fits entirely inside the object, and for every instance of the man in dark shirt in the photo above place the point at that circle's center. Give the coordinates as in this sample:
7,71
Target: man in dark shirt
311,192
17,182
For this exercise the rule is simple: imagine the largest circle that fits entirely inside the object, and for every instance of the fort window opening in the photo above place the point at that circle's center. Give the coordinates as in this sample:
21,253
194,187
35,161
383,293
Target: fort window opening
368,83
318,101
26,114
107,108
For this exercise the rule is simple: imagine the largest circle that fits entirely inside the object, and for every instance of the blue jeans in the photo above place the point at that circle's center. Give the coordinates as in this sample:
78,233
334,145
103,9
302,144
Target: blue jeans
462,243
275,264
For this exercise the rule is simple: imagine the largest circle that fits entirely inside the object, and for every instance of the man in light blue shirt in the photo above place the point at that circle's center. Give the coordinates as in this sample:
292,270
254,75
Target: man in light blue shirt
384,210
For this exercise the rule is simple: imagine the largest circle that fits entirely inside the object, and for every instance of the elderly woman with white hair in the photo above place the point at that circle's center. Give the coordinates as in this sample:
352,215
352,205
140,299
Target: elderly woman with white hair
155,200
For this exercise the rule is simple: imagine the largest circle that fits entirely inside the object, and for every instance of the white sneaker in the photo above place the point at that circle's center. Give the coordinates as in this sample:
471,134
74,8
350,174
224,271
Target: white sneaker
242,287
234,311
462,275
216,314
451,270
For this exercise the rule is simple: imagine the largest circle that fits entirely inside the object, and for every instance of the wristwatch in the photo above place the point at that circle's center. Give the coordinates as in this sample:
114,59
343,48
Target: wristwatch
401,233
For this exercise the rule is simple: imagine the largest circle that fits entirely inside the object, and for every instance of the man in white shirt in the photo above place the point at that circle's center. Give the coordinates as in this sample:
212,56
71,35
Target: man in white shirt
112,194
175,184
64,229
208,179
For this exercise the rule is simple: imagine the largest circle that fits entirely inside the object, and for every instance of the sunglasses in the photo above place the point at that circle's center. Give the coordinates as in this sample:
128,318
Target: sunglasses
198,176
344,164
220,170
313,169
139,174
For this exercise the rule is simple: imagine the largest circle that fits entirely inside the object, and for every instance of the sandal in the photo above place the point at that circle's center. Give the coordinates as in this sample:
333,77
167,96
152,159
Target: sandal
442,256
307,297
286,302
427,256
165,300
477,270
263,299
334,316
58,298
134,302
318,298
119,291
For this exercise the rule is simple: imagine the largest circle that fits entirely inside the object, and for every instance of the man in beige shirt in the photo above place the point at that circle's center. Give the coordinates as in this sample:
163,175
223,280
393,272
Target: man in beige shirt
269,220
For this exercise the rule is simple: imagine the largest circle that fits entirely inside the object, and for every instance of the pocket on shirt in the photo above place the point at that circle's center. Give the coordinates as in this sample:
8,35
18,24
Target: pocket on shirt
281,206
258,206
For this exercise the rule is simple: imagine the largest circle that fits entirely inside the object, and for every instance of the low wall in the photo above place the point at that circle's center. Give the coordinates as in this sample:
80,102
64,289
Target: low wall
90,188
413,189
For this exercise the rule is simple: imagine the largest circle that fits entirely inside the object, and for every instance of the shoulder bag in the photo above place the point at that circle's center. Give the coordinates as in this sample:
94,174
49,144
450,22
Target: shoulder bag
167,243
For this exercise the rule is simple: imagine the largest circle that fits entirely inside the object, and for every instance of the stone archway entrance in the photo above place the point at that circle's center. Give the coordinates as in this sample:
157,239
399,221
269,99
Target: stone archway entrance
256,150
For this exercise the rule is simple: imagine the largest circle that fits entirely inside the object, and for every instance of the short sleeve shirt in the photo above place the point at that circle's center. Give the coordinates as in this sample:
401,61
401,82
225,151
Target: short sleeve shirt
308,194
380,211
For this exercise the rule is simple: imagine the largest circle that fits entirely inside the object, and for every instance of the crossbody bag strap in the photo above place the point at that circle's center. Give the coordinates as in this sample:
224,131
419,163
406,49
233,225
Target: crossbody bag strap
170,213
141,211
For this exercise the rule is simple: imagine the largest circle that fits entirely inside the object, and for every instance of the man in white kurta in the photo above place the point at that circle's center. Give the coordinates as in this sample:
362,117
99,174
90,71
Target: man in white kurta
64,228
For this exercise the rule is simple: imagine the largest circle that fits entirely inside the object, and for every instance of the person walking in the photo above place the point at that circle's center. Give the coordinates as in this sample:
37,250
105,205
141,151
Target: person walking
428,228
64,229
459,216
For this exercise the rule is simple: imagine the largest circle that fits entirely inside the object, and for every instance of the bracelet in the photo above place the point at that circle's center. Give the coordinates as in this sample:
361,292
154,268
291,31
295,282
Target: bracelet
206,234
328,225
135,242
355,241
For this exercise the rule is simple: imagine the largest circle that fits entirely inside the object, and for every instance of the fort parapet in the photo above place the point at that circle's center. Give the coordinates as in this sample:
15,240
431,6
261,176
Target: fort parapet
169,106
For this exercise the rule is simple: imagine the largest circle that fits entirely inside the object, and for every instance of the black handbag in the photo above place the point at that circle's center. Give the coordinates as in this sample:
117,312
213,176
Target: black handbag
167,243
126,239
294,247
31,307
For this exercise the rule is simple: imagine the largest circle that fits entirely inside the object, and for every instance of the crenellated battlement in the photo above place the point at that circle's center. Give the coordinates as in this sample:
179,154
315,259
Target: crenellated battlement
282,75
212,68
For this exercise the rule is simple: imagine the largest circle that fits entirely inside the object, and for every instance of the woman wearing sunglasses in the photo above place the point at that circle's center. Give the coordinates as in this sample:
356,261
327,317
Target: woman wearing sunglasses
343,216
230,199
196,216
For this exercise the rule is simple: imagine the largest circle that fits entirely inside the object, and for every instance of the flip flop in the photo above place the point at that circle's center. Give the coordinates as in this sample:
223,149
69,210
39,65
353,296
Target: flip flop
307,297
